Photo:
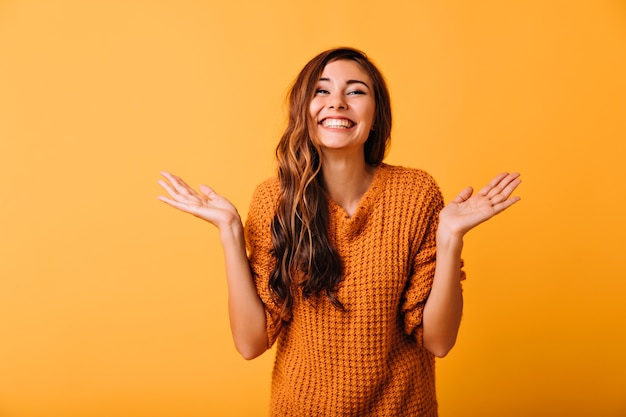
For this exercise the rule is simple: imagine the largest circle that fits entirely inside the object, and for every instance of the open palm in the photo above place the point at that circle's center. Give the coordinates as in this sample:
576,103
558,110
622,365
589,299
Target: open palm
467,211
206,204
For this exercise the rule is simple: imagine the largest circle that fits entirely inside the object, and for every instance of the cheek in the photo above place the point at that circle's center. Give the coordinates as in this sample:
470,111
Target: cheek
314,108
372,116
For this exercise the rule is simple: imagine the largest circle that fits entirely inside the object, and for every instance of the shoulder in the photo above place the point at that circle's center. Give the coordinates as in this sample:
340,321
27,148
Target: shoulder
414,190
411,180
267,190
264,200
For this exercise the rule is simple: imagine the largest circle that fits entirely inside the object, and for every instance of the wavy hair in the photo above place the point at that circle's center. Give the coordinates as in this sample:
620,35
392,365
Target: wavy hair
305,255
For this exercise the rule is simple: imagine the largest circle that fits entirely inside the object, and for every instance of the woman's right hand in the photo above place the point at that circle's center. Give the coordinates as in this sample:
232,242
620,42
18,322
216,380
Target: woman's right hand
206,204
246,311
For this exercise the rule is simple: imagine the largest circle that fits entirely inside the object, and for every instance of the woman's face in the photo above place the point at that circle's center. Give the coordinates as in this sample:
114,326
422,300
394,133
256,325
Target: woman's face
343,107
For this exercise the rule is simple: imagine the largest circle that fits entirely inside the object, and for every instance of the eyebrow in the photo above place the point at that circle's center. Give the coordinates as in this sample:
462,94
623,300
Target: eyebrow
349,82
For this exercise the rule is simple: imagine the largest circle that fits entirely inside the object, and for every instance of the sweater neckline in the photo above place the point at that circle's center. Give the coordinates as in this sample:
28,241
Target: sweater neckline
352,224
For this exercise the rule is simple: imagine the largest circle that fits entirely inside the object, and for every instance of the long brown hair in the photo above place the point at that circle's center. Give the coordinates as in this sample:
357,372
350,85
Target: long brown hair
305,256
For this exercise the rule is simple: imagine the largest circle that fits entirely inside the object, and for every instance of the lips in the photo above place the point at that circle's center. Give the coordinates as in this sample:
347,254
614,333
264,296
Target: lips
337,123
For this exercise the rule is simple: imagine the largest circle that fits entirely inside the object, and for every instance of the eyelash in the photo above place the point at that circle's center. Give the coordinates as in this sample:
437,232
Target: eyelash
322,91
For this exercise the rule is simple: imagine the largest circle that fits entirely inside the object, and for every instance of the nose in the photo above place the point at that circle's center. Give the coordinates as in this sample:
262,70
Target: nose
337,102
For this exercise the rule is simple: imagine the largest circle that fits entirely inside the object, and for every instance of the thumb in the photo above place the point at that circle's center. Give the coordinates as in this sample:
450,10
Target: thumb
464,195
207,191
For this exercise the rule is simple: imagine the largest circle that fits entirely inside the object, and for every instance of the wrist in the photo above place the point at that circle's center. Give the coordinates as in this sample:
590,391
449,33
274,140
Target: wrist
448,239
231,230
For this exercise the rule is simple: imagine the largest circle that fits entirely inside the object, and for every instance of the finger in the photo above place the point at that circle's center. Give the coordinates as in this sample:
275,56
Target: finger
502,185
179,185
492,184
208,191
500,207
170,177
179,197
168,188
505,188
188,208
463,195
174,181
511,186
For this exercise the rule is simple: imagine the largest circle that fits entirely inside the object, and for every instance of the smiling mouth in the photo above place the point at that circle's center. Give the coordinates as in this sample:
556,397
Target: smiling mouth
337,123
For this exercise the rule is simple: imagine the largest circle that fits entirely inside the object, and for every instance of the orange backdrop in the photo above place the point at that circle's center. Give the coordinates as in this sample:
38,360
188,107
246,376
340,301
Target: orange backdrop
113,304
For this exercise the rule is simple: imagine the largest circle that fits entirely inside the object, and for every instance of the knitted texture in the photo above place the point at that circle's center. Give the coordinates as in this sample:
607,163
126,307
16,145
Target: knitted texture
367,360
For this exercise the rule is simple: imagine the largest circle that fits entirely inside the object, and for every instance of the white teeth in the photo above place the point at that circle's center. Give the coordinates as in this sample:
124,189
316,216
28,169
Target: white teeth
337,123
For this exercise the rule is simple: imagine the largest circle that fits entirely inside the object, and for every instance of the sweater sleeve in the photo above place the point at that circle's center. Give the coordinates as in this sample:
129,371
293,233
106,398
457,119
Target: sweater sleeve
423,262
259,244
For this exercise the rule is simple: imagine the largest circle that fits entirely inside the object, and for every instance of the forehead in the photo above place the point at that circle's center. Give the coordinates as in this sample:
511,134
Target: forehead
344,70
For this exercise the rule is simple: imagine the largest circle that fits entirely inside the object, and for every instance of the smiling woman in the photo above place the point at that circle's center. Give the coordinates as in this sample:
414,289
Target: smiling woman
353,266
343,109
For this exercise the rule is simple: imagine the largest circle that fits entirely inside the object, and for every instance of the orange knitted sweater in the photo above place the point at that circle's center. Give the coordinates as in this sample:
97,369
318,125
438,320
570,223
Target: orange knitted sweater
367,360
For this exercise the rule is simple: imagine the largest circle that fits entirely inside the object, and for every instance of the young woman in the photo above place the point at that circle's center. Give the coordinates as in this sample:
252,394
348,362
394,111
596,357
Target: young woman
353,266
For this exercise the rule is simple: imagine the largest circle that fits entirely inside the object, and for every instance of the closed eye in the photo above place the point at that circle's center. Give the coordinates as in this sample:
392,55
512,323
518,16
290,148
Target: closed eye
321,91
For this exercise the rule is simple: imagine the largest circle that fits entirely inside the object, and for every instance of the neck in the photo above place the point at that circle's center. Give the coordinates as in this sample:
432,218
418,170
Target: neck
347,180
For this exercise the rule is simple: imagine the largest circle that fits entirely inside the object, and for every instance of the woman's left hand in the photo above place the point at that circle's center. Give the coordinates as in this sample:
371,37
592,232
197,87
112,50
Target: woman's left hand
467,211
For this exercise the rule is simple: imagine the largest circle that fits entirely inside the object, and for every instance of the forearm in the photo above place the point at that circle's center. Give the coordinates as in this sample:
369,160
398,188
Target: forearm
246,312
442,312
444,307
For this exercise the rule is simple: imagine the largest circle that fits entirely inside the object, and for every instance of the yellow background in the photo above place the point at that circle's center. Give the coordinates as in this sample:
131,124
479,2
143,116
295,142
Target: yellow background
113,304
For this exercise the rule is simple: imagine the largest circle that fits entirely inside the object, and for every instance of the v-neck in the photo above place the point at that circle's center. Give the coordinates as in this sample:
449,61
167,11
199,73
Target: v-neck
351,225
